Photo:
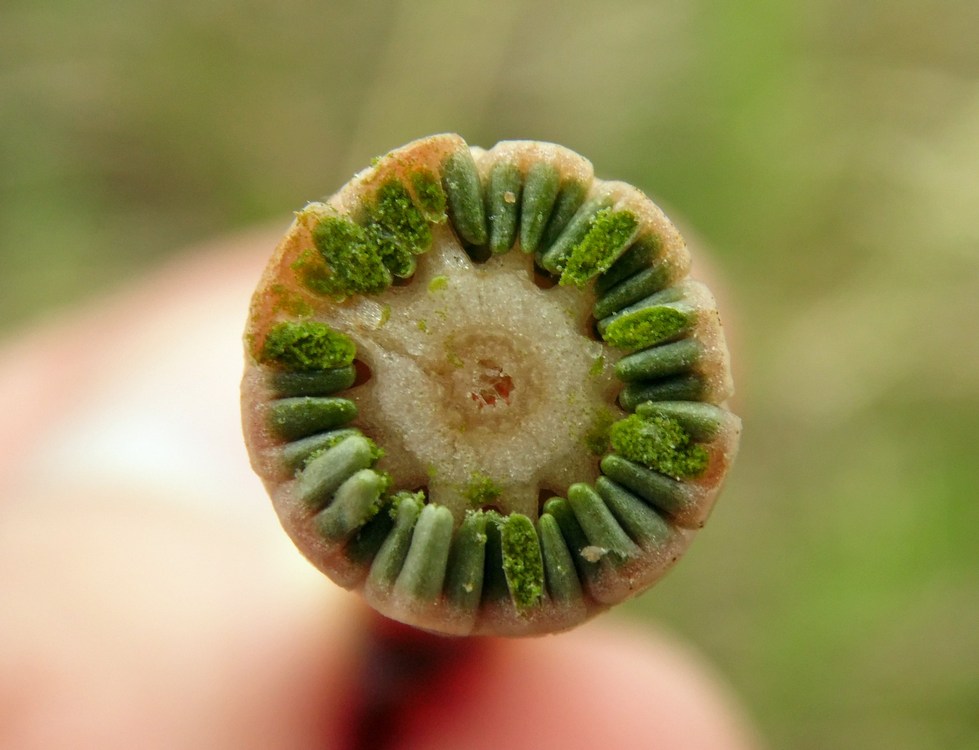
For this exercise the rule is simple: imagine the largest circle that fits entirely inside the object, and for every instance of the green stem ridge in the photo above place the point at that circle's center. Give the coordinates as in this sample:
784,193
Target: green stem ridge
299,452
319,383
324,474
541,188
464,579
463,193
390,557
563,585
677,388
633,289
660,361
663,493
639,257
644,525
569,200
354,504
555,258
423,571
503,190
575,538
301,416
598,523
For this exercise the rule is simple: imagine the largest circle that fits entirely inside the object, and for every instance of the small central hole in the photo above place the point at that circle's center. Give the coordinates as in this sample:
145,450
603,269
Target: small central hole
493,385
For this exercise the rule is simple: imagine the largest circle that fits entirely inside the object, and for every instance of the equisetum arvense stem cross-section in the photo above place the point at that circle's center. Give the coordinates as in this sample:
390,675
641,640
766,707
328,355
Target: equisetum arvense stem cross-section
481,388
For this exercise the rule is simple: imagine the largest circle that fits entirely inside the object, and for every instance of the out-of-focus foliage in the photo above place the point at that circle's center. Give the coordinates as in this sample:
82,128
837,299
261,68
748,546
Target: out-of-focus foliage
826,151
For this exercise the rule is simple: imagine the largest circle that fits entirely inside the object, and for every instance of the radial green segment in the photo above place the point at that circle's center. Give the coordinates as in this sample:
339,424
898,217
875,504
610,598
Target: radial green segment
319,383
701,421
325,473
646,249
679,388
503,189
298,452
365,544
660,443
598,523
463,193
562,581
671,295
391,556
423,571
494,580
353,265
648,327
555,257
464,580
307,345
574,536
569,201
663,493
396,229
609,234
540,191
298,417
429,195
354,504
659,361
644,525
634,289
523,565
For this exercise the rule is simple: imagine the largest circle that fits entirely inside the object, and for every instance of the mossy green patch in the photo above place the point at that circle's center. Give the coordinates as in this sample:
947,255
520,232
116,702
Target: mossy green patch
307,346
523,564
660,443
608,235
430,195
352,262
396,229
482,490
646,327
361,257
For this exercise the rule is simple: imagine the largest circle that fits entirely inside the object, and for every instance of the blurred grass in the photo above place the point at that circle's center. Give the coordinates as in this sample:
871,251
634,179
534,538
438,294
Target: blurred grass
827,151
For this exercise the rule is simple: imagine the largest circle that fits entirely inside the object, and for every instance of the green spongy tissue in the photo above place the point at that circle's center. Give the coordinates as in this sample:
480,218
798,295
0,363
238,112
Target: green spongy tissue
660,443
523,563
646,327
352,259
307,346
608,236
396,229
429,194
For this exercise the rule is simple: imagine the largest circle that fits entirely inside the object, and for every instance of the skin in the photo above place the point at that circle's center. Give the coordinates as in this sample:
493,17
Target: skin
151,599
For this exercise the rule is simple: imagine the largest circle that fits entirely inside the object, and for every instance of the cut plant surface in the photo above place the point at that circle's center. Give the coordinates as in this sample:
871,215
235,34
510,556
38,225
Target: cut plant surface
481,388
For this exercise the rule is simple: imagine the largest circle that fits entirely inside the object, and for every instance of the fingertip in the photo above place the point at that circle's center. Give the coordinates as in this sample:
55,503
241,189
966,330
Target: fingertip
597,686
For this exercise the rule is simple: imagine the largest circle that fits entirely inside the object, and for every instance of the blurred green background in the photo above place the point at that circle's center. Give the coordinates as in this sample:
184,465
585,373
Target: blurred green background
827,151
